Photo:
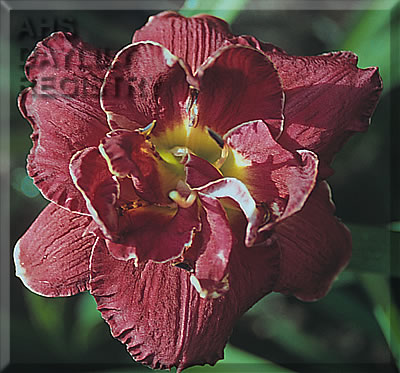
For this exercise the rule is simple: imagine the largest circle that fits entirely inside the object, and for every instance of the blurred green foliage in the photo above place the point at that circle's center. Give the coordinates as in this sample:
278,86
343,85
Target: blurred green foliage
225,9
356,327
371,40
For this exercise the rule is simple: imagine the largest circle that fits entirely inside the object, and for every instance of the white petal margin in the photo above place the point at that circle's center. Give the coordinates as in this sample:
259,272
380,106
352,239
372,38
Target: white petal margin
233,188
52,257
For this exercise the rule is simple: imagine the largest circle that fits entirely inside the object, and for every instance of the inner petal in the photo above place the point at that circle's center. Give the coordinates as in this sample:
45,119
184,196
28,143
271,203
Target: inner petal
275,176
131,154
155,233
145,83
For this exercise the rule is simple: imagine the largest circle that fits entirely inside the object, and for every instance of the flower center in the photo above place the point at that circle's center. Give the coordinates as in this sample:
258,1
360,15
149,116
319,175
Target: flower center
173,146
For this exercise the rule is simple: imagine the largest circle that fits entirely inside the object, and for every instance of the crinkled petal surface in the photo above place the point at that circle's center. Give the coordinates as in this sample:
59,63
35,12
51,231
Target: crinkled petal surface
64,111
156,311
52,257
315,246
236,85
274,176
146,83
327,99
191,39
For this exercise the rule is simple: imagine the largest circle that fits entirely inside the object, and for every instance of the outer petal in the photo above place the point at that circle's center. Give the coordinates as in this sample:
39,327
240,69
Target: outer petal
251,41
160,316
327,99
145,83
100,190
274,176
191,39
52,257
64,111
238,84
315,246
157,233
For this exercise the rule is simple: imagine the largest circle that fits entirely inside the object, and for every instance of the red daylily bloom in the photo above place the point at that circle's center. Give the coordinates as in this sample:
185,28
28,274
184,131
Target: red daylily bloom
186,179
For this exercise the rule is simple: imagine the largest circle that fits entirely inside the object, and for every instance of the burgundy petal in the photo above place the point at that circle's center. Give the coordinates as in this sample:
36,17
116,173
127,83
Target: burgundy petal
238,84
237,191
158,314
157,233
64,111
134,227
52,257
145,83
199,172
211,274
315,246
275,177
327,99
130,154
100,190
191,39
253,42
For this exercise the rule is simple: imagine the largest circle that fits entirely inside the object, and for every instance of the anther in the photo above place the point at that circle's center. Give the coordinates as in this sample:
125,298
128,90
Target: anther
131,205
217,138
145,131
184,265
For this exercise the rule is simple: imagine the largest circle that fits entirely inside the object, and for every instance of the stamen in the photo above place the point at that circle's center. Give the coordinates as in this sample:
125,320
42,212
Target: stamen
224,155
182,201
145,131
184,265
217,138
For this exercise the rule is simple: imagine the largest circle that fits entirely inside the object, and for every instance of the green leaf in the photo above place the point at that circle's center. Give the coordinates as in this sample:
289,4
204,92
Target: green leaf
287,332
225,9
48,318
88,317
375,249
395,226
371,39
385,311
237,360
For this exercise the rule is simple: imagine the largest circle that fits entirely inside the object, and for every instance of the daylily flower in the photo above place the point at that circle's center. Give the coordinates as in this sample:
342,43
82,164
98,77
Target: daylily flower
187,179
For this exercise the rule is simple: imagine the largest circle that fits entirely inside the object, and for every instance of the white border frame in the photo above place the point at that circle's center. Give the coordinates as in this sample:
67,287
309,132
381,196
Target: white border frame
6,6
